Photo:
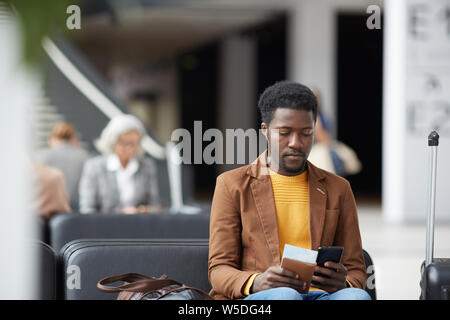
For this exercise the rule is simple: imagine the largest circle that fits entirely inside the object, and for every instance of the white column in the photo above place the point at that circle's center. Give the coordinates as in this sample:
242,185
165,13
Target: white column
17,87
312,49
238,100
394,124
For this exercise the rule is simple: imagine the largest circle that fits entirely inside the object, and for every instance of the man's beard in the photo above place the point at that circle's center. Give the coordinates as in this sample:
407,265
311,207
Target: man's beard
297,169
281,164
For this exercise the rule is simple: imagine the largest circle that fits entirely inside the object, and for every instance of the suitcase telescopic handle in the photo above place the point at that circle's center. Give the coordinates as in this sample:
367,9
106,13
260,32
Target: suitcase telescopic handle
433,142
433,139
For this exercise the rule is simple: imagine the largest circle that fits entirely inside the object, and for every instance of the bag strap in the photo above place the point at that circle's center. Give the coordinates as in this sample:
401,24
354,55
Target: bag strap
128,277
204,294
135,282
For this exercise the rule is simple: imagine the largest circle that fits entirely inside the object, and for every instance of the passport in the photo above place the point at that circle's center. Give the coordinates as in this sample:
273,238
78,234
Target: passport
300,254
301,261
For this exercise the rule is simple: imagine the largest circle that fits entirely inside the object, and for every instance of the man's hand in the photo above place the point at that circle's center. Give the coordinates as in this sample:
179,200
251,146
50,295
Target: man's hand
275,277
336,273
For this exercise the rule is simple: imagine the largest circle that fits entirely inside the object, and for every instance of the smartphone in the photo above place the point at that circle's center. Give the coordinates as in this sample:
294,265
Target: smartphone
332,254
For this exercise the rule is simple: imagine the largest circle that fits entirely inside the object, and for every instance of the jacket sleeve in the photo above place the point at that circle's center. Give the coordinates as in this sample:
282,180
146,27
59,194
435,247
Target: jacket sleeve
225,244
349,237
62,203
53,195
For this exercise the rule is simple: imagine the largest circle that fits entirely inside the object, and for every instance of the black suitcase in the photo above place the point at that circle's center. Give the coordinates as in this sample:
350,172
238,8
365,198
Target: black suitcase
435,282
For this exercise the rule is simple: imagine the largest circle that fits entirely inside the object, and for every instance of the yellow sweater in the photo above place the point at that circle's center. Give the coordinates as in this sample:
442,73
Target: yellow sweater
291,195
292,206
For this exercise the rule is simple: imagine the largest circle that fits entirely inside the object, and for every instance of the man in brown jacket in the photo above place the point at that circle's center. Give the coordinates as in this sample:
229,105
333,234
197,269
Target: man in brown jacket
279,199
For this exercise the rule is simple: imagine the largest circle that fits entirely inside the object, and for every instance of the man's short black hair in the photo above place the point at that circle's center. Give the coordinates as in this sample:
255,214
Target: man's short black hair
286,94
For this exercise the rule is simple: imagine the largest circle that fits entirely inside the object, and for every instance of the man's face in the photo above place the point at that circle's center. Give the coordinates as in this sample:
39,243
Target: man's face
293,131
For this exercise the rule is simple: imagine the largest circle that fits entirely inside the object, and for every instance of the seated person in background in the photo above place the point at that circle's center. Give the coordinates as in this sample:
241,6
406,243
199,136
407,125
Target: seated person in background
66,155
50,191
328,153
121,180
281,198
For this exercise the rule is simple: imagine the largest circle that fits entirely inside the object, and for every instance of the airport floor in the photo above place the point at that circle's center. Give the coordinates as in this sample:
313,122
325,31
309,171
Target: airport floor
398,251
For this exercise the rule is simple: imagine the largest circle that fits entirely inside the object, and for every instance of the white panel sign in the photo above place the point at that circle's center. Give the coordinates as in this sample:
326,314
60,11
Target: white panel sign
428,67
416,101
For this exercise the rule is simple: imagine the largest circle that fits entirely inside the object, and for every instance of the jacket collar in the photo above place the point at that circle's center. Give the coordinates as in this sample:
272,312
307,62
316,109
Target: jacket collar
259,169
263,195
113,164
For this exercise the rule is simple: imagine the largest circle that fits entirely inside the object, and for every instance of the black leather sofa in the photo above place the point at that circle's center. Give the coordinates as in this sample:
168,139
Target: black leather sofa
75,271
96,246
85,262
67,227
46,284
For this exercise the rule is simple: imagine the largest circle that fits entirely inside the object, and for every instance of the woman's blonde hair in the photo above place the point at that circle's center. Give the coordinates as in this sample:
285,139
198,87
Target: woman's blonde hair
63,131
116,127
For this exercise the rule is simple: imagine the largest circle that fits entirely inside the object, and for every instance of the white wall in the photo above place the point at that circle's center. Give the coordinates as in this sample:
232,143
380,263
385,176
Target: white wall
412,108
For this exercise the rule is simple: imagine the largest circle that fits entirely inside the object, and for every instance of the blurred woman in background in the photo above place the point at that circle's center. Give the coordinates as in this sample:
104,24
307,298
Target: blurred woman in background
121,180
65,153
327,152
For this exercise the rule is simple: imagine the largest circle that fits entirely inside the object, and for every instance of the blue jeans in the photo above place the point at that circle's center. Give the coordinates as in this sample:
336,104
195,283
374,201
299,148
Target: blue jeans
285,293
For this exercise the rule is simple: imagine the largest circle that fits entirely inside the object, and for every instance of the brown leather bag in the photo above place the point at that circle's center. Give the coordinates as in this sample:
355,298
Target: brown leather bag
137,286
